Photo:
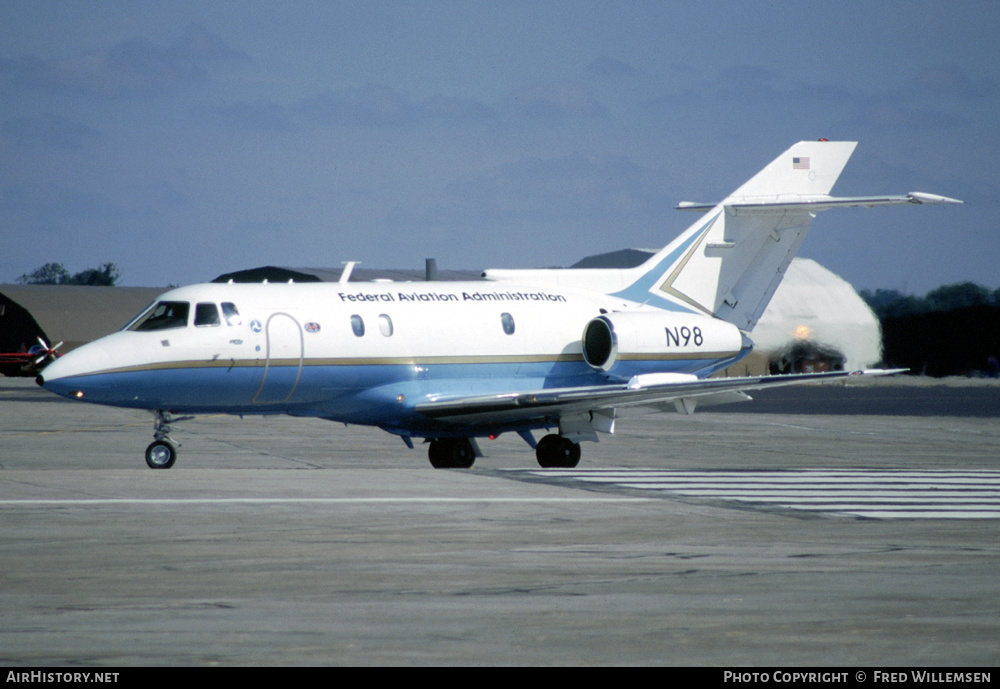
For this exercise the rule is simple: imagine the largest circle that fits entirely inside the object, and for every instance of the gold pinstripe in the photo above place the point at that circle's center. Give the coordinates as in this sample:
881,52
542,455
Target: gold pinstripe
405,361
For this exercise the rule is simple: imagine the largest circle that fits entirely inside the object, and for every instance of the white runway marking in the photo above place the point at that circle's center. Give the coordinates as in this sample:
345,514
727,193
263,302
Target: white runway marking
901,494
72,502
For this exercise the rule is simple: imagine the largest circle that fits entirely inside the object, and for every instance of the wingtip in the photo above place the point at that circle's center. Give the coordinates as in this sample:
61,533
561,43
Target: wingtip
922,197
879,371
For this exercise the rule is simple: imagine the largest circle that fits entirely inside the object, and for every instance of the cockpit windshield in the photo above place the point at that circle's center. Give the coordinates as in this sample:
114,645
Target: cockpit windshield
163,315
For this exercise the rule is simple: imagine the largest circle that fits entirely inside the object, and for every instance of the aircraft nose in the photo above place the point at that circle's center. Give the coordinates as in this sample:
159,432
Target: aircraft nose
64,376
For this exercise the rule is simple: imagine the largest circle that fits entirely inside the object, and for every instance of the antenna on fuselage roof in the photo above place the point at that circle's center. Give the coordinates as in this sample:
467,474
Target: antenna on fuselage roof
345,275
430,269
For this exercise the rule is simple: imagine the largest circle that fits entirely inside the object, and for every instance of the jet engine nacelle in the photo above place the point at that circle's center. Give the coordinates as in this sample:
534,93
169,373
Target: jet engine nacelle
652,335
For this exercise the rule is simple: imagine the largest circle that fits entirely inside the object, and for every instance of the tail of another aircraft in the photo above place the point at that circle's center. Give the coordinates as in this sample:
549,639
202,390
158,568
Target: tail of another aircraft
730,262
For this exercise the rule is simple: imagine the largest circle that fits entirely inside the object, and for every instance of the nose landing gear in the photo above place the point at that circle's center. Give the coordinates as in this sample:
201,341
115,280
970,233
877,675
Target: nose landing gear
162,452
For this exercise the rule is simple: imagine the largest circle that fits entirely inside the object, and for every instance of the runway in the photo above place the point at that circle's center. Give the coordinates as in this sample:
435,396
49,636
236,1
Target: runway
771,537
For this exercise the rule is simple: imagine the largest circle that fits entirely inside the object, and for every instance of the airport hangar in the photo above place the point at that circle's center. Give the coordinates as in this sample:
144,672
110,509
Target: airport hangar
814,322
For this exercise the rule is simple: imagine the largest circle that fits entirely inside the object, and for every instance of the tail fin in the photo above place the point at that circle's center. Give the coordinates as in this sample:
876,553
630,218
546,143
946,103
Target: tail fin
730,262
809,168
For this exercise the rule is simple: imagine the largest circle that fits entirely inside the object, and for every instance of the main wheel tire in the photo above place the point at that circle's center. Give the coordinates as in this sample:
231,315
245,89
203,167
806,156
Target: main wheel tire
463,456
161,454
451,453
437,455
570,454
556,452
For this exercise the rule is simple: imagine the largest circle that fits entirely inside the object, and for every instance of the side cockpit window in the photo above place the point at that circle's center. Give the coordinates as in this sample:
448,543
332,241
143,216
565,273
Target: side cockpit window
163,315
230,313
206,315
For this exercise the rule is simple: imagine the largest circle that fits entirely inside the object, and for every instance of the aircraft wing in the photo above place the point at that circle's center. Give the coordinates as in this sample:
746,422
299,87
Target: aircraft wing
681,392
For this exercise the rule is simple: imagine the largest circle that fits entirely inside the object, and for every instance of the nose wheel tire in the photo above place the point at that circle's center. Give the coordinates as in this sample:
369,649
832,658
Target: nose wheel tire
161,454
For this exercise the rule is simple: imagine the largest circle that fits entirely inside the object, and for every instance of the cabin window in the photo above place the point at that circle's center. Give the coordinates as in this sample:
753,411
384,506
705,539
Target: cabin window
230,313
164,316
385,325
358,325
206,315
508,323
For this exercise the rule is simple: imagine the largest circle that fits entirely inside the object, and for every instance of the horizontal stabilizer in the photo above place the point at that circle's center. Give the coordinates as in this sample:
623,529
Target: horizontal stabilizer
819,203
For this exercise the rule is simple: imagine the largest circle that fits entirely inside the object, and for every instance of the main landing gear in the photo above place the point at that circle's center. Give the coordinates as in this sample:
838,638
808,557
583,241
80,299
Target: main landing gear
162,452
451,453
553,451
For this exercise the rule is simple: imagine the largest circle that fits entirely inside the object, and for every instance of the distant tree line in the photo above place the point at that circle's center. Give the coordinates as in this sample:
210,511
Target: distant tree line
56,274
952,330
890,303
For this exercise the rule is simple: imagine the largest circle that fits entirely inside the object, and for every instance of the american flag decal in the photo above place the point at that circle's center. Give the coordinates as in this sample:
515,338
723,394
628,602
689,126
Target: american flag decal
800,163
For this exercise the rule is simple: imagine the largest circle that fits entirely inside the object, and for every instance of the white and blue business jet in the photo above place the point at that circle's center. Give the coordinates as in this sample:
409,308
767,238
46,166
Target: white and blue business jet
563,350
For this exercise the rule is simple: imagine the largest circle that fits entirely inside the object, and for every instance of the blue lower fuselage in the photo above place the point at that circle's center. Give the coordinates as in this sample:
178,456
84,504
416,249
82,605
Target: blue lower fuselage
382,395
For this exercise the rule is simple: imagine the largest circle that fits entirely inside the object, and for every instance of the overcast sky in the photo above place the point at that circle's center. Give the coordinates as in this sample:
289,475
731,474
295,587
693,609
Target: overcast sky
189,138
